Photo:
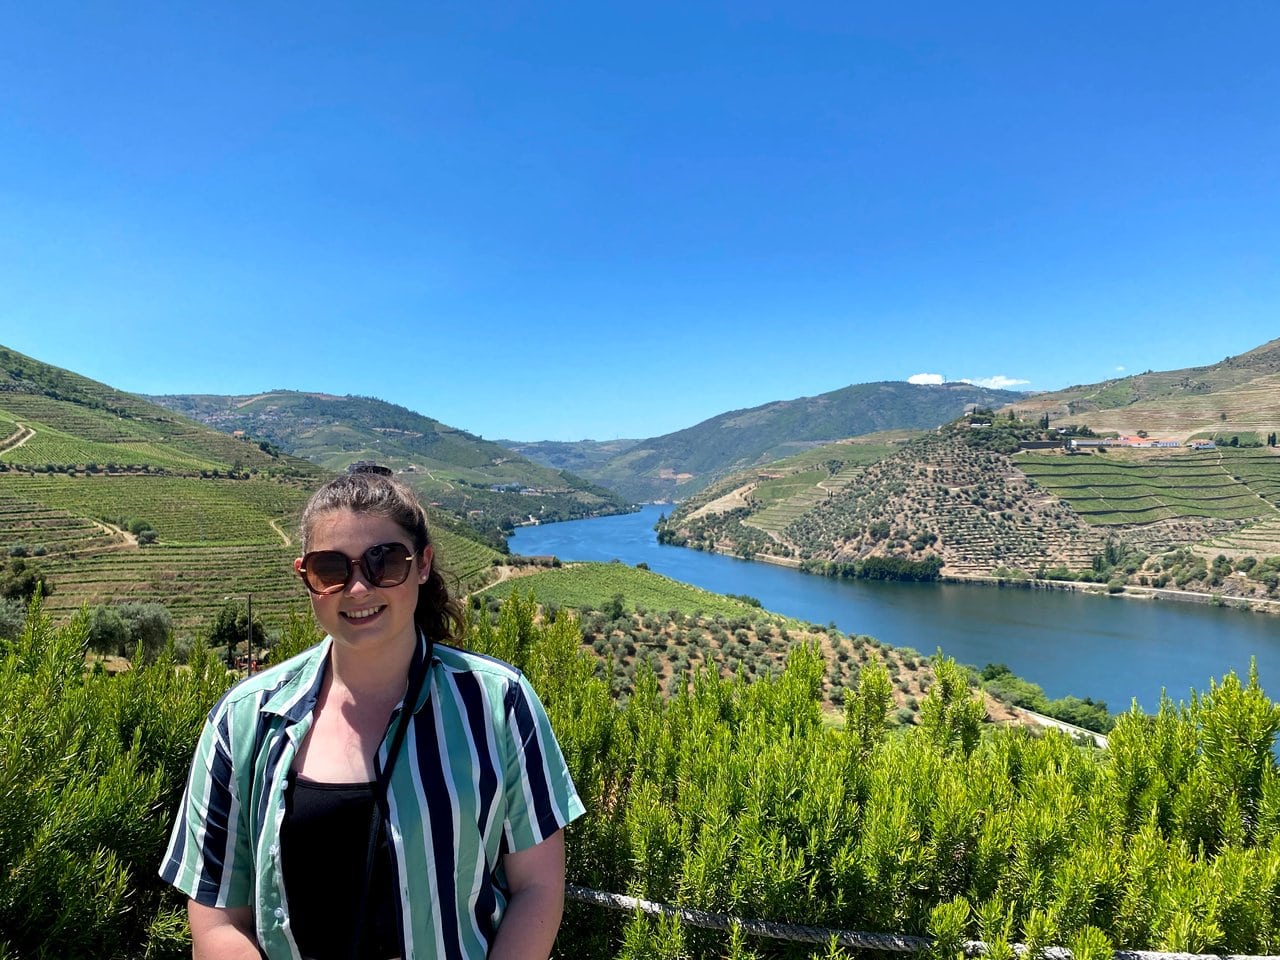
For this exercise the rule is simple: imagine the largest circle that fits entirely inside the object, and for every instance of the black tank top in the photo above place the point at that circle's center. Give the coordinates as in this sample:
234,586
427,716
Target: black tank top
323,843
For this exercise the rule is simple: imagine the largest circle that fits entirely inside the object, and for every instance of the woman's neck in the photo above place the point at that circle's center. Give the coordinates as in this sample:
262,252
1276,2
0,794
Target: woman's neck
372,677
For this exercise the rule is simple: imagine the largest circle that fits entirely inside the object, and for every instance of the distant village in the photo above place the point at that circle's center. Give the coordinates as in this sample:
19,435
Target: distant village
1077,443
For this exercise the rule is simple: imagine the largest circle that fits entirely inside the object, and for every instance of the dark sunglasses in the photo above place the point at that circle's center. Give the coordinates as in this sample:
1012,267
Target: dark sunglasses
383,565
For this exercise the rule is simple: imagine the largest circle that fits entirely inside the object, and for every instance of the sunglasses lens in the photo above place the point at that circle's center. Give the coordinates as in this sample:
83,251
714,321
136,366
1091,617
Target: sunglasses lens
327,570
383,565
387,564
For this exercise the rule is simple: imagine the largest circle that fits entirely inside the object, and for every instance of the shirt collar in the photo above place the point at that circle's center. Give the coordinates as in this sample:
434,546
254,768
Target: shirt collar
296,698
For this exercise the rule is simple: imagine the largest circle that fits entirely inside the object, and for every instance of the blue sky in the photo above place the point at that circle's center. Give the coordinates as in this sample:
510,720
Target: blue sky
561,220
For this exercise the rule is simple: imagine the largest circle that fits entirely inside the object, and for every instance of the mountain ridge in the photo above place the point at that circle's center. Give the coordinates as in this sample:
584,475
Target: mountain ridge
459,471
683,462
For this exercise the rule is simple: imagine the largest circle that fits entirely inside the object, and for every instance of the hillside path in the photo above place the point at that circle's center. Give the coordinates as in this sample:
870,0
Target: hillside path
730,501
275,525
1041,720
13,442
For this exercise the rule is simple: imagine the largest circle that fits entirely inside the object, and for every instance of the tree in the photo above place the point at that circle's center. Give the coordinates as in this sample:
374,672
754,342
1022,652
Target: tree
231,626
108,634
149,625
616,608
866,710
13,616
20,580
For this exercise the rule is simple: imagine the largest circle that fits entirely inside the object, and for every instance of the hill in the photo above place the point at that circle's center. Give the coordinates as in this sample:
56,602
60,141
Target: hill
677,465
111,498
965,501
51,419
479,480
1236,395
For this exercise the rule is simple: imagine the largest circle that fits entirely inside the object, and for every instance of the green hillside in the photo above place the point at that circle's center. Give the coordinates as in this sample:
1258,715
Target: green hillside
484,482
1139,487
585,585
112,498
963,501
53,419
1237,394
677,465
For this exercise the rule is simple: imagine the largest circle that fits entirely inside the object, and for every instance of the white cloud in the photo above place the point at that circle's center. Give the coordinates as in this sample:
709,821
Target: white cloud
930,378
1119,368
998,382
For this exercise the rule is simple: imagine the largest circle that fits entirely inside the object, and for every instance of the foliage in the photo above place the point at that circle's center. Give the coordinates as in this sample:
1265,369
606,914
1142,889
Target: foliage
727,795
879,568
732,796
588,584
999,681
91,769
22,579
13,615
232,627
121,628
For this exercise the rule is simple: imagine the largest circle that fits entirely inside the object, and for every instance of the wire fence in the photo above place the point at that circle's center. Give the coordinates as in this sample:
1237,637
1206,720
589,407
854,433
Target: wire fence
803,933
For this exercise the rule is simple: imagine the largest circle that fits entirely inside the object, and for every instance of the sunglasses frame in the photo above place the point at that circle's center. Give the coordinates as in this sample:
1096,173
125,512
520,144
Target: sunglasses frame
354,563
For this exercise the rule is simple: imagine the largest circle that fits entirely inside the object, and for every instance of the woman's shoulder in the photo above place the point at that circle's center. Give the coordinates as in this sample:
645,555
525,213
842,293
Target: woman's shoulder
298,673
457,659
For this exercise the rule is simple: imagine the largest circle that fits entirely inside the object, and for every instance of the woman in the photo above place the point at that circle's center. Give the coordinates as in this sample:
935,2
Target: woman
313,791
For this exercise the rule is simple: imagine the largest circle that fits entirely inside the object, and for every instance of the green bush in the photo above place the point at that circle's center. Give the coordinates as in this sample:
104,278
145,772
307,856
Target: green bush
729,796
91,769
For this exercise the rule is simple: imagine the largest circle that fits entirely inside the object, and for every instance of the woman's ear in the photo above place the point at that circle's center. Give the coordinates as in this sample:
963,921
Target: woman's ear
297,565
424,568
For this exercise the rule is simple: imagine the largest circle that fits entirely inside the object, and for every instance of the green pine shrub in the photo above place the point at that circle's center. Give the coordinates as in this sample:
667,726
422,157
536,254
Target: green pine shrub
726,795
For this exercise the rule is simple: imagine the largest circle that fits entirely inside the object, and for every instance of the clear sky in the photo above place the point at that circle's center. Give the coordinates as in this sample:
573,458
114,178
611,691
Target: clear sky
553,220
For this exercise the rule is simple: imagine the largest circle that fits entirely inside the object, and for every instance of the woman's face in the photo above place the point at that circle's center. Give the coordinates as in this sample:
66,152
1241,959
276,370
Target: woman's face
361,615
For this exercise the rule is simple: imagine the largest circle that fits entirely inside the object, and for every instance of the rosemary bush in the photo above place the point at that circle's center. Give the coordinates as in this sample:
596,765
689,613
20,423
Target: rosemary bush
726,795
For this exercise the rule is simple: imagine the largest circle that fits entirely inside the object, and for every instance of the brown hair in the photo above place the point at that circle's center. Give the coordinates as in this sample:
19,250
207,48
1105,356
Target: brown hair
440,616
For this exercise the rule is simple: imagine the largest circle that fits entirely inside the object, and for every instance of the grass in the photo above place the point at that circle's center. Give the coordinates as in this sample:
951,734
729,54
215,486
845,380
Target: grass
582,585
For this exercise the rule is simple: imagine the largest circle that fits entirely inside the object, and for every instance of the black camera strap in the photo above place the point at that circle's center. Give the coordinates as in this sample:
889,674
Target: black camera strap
381,811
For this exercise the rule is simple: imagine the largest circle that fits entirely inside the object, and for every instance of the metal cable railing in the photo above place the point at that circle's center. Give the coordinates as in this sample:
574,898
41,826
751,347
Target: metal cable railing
804,933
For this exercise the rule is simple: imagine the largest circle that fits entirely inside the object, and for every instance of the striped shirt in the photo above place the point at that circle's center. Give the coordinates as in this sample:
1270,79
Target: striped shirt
480,775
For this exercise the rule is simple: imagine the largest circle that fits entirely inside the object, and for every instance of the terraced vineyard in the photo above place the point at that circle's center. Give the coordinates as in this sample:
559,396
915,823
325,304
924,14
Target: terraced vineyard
1137,487
217,538
35,525
47,445
1256,540
472,563
192,581
92,424
796,496
775,495
581,585
185,511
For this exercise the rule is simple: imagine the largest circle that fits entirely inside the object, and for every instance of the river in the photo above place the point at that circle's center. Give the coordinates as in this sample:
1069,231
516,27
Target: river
1109,648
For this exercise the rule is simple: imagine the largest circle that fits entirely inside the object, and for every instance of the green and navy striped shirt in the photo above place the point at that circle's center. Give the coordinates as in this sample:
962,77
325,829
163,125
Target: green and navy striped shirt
481,775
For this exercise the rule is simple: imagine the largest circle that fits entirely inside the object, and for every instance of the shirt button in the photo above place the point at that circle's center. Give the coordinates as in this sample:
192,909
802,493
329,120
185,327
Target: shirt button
279,913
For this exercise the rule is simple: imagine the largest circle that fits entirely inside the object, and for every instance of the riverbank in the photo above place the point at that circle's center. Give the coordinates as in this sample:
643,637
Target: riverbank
1252,604
1061,639
1130,591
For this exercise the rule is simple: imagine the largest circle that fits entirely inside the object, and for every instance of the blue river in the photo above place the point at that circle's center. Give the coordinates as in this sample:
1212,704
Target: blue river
1110,648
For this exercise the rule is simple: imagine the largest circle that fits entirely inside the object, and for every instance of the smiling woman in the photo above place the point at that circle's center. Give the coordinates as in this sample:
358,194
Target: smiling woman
385,793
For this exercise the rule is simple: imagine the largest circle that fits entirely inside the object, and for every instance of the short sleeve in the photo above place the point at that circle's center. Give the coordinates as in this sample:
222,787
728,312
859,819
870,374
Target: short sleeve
540,795
208,857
